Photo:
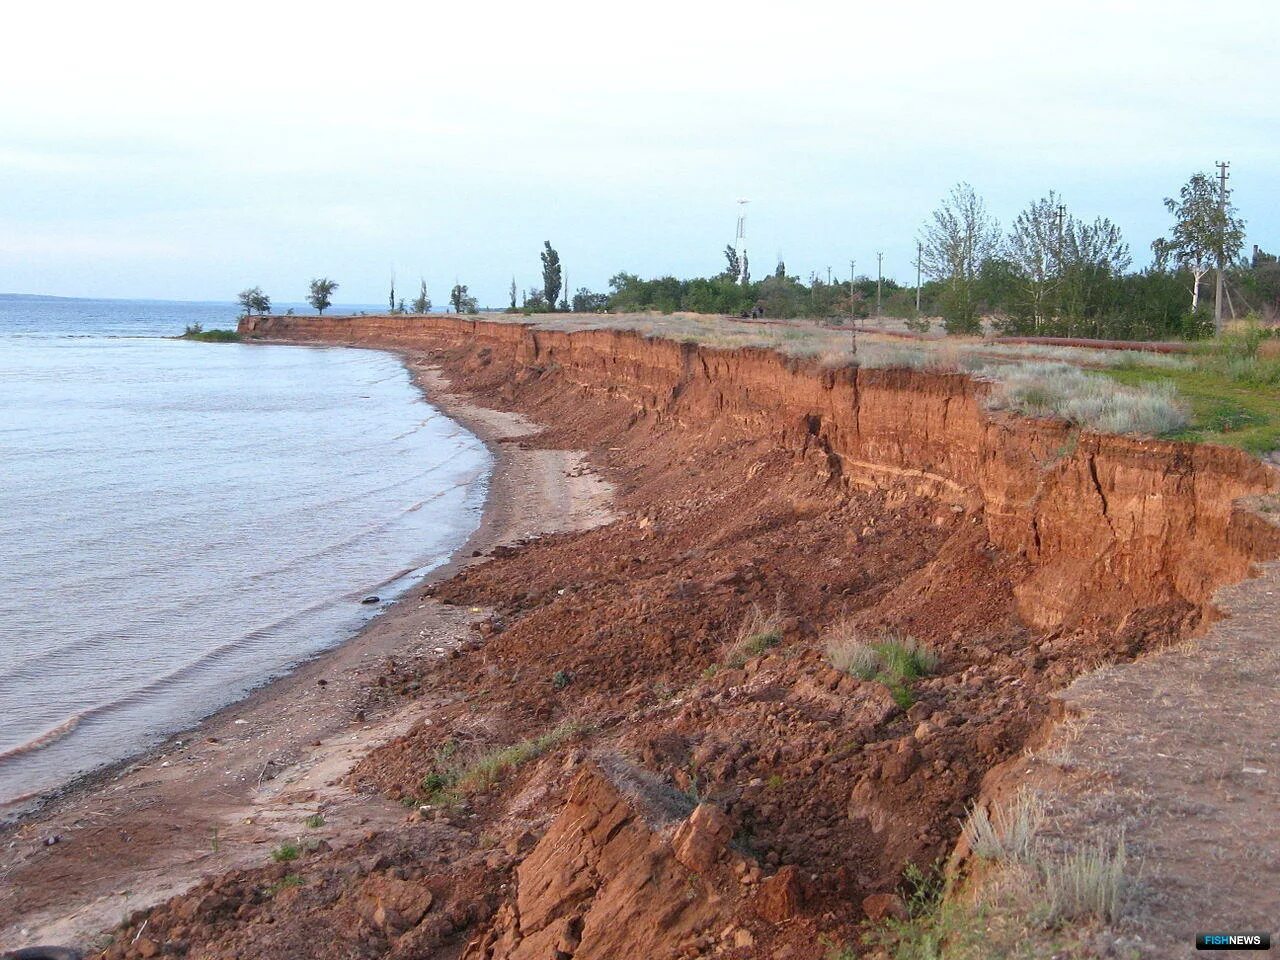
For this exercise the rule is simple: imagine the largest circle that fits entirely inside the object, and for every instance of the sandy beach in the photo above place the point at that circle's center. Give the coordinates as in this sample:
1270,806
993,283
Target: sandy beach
225,793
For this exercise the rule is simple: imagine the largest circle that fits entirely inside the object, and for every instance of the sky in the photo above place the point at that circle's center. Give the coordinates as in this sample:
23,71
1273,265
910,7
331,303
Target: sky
188,151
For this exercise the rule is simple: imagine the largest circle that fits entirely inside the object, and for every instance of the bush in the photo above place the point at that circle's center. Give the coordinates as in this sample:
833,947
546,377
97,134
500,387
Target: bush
197,331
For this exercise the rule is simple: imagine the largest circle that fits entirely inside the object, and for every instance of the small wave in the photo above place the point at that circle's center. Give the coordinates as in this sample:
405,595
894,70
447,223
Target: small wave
43,739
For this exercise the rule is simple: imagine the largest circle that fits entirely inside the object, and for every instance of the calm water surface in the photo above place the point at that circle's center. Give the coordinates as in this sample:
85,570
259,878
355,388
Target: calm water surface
181,521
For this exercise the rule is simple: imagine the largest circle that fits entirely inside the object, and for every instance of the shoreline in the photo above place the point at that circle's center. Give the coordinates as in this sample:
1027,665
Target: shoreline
209,798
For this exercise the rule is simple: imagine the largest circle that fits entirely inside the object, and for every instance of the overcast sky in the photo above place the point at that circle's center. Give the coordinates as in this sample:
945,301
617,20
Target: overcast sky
190,150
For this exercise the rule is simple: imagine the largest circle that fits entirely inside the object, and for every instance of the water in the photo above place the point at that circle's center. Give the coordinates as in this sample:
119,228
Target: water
181,521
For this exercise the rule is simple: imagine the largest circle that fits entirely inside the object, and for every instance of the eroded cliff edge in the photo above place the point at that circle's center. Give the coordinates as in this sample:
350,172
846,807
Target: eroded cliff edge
1111,524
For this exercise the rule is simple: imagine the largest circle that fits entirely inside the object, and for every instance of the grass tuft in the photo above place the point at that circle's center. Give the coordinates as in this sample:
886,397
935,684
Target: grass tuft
1089,882
1009,834
757,633
286,852
451,781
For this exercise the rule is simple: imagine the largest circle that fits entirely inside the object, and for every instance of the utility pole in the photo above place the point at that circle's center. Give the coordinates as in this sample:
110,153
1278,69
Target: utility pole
919,257
853,319
740,241
828,276
565,296
1222,166
879,281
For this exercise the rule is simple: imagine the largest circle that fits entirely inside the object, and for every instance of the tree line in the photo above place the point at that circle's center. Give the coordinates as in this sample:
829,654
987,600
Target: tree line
1052,273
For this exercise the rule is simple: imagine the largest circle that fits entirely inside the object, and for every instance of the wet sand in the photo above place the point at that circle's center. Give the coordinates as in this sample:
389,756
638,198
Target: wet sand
225,793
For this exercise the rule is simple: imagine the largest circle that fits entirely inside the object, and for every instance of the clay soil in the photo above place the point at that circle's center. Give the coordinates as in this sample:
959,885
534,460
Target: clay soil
615,642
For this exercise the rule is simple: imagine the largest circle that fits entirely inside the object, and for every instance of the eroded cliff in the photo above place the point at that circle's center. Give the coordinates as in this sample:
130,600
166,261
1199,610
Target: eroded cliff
671,762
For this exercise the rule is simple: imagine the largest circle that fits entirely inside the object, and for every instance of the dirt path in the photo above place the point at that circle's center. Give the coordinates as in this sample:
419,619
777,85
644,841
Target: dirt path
226,793
1181,752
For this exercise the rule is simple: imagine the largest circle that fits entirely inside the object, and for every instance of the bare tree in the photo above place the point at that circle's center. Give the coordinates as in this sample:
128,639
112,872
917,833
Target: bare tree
956,241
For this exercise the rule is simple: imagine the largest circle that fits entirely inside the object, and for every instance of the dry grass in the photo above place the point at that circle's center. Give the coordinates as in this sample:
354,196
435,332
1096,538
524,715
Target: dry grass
758,632
1010,833
1088,400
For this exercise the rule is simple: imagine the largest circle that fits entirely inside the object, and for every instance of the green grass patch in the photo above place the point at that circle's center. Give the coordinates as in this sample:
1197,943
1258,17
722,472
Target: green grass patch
1234,401
286,852
758,632
313,822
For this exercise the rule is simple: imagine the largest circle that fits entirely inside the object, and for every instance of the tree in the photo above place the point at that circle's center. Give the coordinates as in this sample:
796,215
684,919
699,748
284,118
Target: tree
734,267
1033,251
1093,254
584,301
550,273
461,300
1204,231
321,295
391,300
254,299
513,293
422,302
958,239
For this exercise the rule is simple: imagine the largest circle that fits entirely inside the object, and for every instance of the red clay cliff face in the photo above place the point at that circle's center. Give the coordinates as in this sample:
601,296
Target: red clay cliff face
1125,522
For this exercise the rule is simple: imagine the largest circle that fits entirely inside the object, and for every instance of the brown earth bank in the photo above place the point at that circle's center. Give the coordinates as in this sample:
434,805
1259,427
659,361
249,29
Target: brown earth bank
615,765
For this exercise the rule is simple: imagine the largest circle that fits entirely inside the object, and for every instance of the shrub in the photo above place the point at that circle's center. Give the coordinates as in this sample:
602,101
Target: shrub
314,822
197,332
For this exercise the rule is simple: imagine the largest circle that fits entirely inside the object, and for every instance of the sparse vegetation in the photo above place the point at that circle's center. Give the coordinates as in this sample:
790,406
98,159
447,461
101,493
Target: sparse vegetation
1089,882
286,852
1034,902
561,679
314,822
758,632
284,883
452,780
1088,399
1010,833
